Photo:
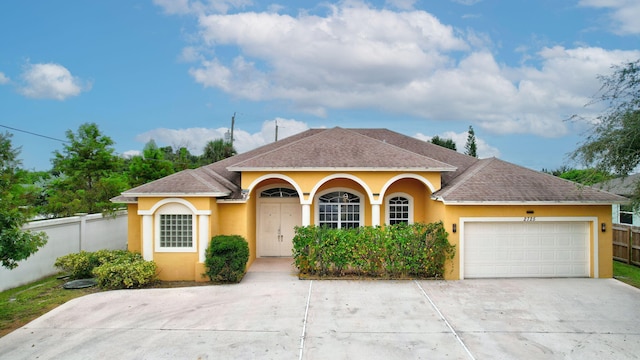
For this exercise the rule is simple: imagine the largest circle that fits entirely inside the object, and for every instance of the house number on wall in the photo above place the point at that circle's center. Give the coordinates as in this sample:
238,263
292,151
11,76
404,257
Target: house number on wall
529,218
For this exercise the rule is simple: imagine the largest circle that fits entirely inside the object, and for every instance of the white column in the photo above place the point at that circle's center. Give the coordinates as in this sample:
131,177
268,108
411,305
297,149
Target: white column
375,214
306,214
147,237
204,237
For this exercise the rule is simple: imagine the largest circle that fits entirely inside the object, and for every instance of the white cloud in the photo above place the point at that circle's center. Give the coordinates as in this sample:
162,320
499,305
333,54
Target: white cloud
3,79
624,14
195,139
50,81
484,150
356,56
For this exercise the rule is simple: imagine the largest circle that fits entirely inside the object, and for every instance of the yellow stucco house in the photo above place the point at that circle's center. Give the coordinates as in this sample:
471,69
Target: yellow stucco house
505,220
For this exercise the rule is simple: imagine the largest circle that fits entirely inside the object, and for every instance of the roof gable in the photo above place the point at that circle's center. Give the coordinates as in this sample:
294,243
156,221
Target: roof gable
339,148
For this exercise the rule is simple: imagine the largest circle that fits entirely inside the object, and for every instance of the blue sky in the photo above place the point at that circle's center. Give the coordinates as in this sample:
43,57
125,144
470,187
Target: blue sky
177,70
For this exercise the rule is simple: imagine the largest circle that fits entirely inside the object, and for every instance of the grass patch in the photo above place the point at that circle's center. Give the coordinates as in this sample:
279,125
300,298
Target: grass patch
23,304
20,305
626,273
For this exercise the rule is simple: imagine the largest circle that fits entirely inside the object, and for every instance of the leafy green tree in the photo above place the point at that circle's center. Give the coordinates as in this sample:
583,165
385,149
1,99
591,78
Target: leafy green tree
613,144
471,148
15,243
217,150
559,171
448,143
181,158
150,166
585,176
89,174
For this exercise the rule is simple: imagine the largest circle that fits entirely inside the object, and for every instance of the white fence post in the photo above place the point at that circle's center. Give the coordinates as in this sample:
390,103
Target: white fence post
83,230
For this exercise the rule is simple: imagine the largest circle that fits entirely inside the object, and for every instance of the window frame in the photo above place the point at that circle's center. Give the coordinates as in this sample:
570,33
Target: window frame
175,209
387,206
361,206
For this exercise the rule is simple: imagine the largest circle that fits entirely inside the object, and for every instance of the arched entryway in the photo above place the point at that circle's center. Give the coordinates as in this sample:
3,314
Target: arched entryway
278,212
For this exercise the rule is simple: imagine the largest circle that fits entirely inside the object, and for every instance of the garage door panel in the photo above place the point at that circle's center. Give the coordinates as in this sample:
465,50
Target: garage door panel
517,249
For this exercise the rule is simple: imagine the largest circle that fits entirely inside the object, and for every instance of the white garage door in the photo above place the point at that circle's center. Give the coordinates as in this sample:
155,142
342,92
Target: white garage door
526,249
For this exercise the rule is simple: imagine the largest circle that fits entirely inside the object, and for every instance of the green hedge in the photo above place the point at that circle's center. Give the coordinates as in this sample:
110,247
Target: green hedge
113,269
226,258
395,251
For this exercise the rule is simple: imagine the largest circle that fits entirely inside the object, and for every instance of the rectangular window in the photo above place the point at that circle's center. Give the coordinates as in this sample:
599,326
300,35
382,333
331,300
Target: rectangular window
626,214
176,231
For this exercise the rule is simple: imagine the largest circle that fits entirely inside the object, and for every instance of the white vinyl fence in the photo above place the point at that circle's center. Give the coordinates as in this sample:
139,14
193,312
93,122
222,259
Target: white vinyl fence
67,235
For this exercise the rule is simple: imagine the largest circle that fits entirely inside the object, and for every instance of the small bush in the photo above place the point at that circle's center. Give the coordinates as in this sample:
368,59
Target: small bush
226,258
126,272
113,269
78,265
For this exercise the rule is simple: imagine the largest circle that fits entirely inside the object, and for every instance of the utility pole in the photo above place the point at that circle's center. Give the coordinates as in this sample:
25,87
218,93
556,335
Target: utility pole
233,123
276,130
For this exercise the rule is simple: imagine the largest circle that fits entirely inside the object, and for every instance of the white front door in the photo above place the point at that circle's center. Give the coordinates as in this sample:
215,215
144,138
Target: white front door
276,222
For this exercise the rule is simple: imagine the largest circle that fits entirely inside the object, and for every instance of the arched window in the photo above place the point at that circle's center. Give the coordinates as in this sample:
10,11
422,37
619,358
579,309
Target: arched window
175,229
339,209
399,209
279,192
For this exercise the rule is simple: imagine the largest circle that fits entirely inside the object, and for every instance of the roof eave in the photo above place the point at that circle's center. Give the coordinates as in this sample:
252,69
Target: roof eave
180,194
526,202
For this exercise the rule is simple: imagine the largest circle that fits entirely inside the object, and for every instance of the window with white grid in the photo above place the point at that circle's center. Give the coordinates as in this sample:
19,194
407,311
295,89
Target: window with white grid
339,209
399,209
176,231
175,228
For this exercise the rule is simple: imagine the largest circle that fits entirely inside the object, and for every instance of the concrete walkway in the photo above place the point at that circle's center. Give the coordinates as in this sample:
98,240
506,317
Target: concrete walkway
273,315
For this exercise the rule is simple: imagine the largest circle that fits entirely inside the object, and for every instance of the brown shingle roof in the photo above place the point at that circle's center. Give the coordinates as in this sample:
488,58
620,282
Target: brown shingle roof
339,148
193,181
496,181
436,152
465,179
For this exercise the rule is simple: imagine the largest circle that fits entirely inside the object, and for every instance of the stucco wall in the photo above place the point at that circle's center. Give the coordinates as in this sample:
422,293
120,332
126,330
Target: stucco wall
453,213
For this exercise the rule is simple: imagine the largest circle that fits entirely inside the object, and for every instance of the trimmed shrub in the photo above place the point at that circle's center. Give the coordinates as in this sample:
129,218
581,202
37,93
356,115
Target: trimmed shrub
113,269
395,251
125,272
226,258
77,265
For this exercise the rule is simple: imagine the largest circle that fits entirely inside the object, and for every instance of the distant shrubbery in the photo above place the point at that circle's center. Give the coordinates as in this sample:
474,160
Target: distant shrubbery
395,251
226,258
113,269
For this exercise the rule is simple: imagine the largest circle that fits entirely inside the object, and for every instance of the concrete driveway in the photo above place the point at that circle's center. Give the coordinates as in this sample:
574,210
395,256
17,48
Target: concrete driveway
273,315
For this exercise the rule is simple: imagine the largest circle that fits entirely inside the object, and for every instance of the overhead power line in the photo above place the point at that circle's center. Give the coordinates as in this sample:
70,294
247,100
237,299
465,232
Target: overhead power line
32,133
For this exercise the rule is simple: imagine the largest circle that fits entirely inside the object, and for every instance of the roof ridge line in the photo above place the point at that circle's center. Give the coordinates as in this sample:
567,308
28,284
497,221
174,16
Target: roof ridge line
479,165
280,147
193,173
400,148
217,176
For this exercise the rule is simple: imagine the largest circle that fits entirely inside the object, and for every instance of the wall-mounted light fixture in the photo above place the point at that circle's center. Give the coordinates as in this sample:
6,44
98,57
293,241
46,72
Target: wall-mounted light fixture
603,227
454,228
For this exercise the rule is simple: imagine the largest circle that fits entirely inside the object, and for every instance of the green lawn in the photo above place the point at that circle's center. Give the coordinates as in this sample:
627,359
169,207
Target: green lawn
21,305
629,274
